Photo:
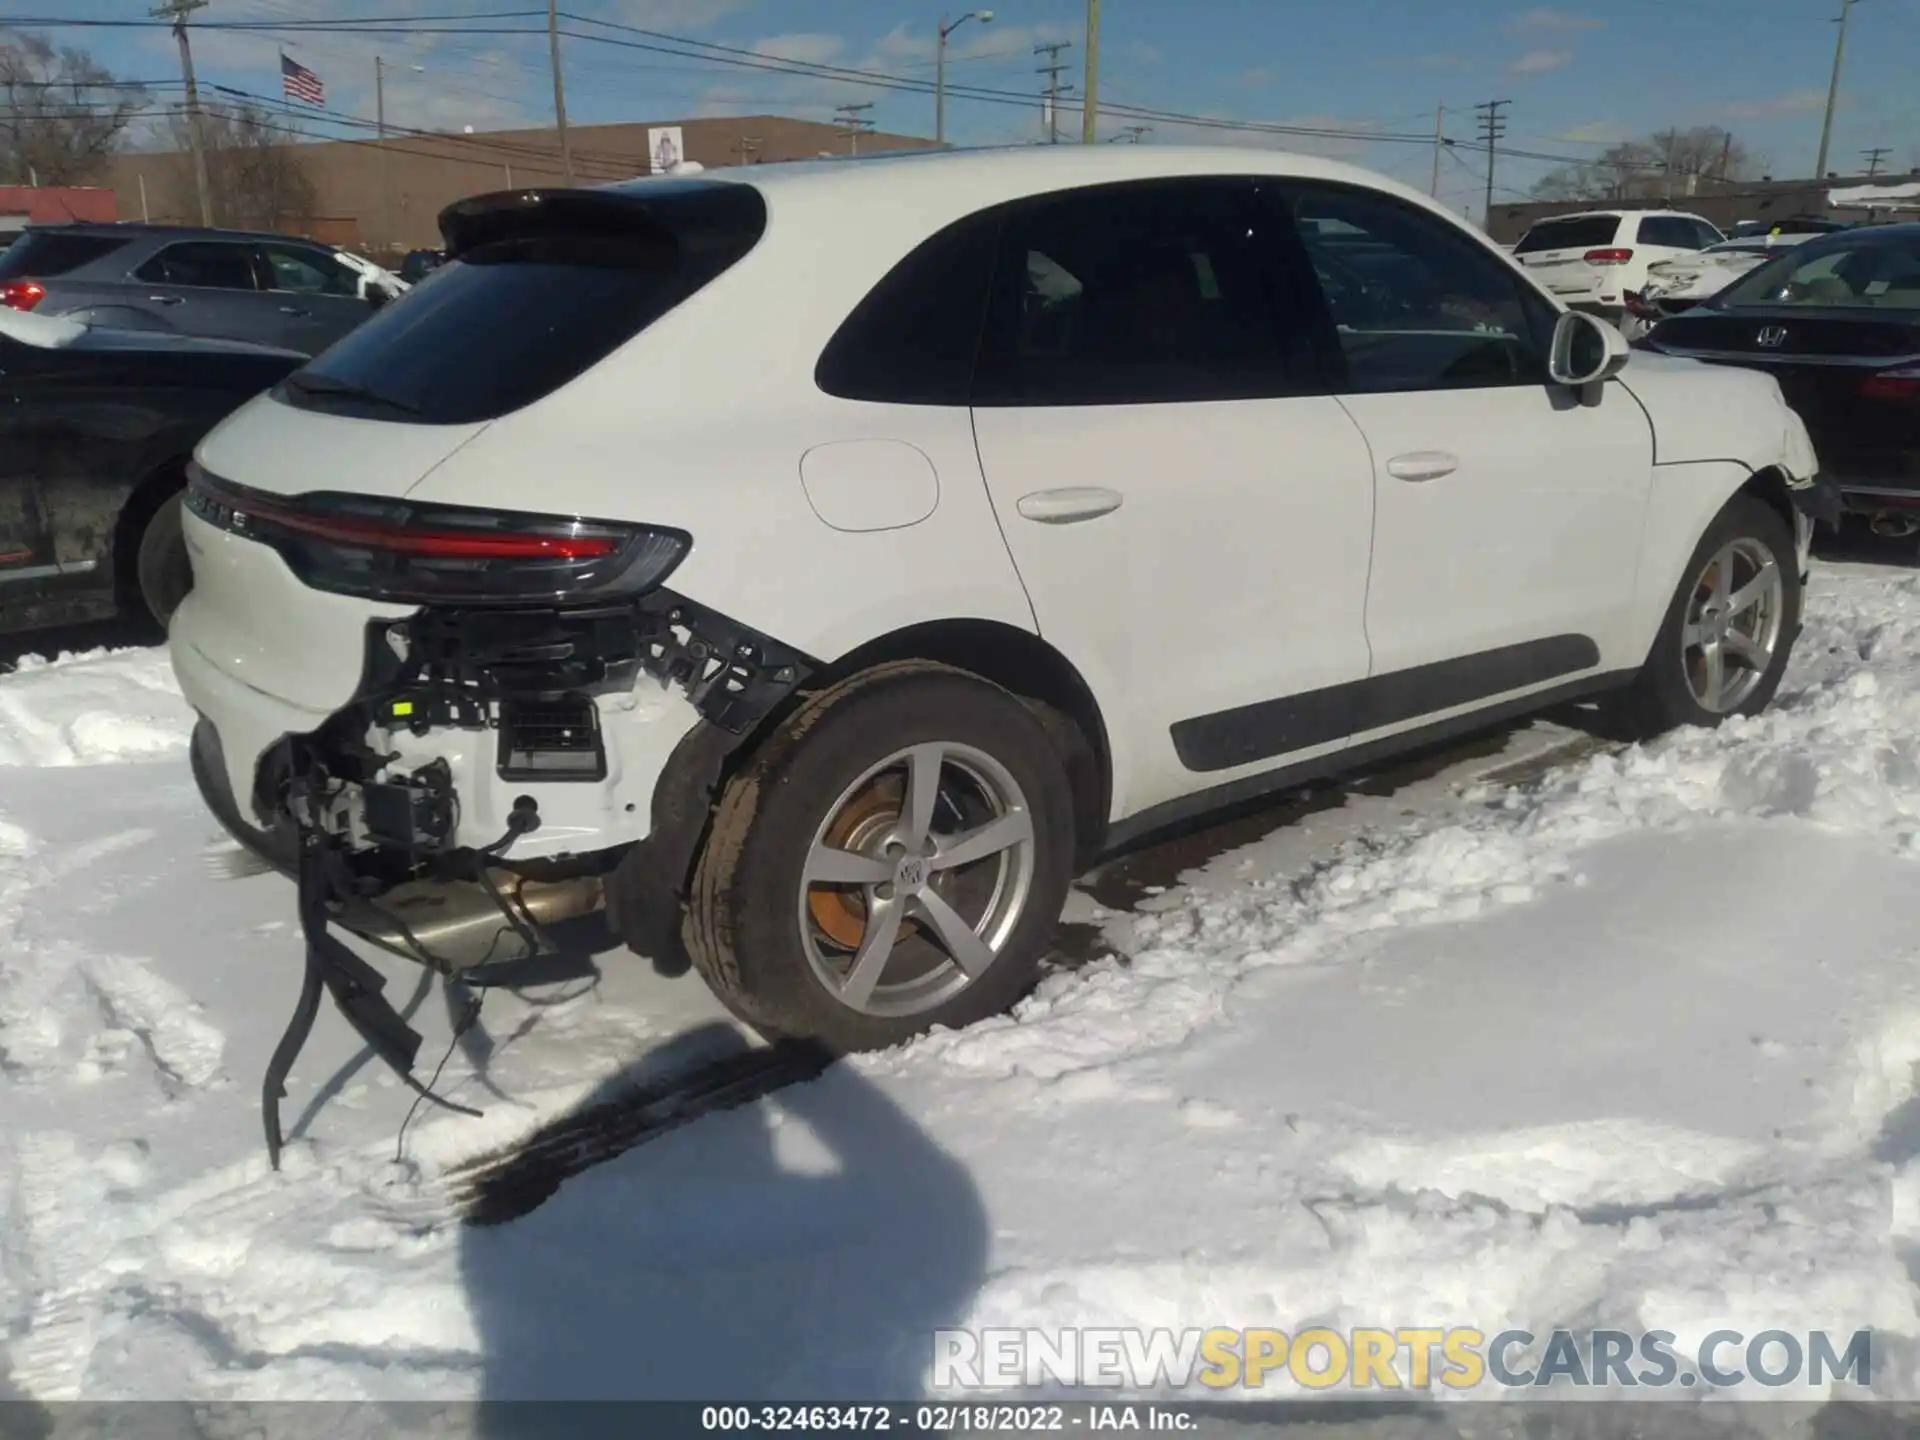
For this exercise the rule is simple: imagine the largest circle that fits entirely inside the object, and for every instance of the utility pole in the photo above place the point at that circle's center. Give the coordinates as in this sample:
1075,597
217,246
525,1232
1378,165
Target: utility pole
1090,111
1130,134
1493,125
852,123
177,11
1439,143
1050,121
940,70
1833,90
747,147
559,87
1873,158
380,138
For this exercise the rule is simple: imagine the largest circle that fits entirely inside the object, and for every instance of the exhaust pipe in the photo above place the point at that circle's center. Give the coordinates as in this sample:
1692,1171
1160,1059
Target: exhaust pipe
460,924
1894,527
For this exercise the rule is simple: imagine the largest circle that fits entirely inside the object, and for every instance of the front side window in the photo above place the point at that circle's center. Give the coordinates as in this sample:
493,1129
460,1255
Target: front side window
208,264
308,272
1137,294
1415,304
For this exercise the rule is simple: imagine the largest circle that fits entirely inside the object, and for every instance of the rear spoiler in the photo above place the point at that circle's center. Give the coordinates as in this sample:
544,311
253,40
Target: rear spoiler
657,216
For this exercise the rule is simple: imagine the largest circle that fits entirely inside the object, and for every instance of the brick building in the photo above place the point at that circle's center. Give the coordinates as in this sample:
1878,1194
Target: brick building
386,197
24,205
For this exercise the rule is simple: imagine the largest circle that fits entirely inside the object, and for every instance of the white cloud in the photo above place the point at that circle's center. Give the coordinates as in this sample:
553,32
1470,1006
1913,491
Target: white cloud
1794,102
1596,132
670,15
1539,62
1142,53
806,47
1546,21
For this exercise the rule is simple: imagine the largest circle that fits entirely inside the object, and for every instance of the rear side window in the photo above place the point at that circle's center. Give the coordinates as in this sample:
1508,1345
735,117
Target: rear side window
554,295
914,338
208,264
1580,232
1151,293
1674,231
42,254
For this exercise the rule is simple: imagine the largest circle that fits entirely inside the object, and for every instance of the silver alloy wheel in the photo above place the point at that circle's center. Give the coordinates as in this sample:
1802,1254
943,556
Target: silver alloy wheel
1732,628
930,908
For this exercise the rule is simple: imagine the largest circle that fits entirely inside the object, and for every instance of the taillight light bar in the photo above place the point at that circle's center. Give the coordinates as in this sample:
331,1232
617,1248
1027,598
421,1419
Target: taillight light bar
22,294
1607,257
1892,385
416,553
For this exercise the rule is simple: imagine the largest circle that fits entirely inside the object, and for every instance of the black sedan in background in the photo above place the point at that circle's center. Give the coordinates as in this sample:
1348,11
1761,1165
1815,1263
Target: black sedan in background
96,428
1837,322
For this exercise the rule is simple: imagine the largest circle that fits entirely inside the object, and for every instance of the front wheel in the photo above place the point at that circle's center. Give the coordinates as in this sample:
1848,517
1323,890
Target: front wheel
893,860
1724,643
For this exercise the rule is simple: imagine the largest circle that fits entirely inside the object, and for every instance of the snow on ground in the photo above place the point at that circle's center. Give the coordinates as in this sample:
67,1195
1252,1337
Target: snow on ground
1631,1045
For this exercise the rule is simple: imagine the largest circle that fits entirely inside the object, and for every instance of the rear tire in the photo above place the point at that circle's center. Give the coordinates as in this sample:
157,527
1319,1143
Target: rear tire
1731,622
161,568
837,791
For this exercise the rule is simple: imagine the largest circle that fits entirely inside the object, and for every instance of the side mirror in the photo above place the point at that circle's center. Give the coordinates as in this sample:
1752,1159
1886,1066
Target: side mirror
377,296
1586,350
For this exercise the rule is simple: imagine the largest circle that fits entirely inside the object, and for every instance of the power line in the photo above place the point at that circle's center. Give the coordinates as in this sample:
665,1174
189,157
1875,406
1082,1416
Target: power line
853,123
1873,158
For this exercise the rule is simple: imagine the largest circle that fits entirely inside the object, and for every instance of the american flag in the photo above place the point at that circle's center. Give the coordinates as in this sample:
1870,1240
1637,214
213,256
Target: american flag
299,83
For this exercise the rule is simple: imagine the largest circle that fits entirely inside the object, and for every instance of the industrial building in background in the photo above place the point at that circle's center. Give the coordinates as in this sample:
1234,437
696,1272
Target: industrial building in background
385,196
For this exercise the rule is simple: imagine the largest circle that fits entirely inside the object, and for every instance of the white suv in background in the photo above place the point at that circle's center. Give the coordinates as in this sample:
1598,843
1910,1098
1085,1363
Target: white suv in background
824,629
1595,260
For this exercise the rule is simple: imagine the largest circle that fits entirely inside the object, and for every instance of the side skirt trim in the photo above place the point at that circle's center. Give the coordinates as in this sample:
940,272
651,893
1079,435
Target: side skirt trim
1229,739
1130,829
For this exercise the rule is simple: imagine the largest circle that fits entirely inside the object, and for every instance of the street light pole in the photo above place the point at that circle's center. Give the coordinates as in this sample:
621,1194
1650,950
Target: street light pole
940,70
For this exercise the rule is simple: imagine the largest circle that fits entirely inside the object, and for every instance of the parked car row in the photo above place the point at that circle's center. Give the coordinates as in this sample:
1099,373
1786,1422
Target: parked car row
234,285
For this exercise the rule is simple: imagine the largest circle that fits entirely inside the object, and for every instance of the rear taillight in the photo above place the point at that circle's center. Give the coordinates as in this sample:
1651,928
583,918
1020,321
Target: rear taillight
22,294
1892,385
441,554
1607,257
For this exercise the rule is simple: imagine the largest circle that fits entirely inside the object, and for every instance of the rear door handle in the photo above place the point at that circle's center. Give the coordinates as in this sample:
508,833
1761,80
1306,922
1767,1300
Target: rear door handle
167,299
292,310
1068,504
1423,465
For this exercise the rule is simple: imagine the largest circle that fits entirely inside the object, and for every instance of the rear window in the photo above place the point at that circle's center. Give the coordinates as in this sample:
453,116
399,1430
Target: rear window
1881,274
1580,232
536,305
42,254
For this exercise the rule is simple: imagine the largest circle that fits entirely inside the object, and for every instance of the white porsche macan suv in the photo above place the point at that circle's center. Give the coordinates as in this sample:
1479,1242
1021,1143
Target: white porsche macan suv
813,565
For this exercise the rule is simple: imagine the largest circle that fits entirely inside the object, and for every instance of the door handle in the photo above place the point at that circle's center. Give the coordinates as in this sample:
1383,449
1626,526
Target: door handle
1423,465
292,310
1066,505
167,299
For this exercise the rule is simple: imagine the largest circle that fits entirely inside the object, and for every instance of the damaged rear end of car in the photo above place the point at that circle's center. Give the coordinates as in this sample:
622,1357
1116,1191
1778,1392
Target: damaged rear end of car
405,702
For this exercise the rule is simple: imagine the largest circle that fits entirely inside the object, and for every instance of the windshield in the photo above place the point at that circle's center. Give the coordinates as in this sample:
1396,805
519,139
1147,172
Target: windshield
1883,274
1578,232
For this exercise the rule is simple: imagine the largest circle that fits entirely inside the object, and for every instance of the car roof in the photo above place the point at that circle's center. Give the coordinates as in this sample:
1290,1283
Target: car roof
168,232
1619,214
976,179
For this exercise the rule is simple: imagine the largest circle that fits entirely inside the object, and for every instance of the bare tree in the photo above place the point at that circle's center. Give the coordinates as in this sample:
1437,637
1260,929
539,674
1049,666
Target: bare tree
1670,162
61,113
257,178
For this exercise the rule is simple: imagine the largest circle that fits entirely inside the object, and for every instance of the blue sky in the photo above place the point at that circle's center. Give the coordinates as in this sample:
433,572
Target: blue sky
1578,75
